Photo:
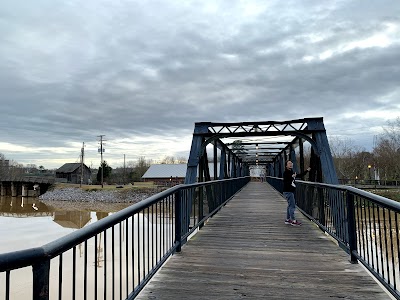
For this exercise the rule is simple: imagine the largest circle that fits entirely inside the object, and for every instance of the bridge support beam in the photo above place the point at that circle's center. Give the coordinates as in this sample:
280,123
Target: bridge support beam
232,167
195,153
222,166
13,190
324,156
3,189
293,159
24,190
36,191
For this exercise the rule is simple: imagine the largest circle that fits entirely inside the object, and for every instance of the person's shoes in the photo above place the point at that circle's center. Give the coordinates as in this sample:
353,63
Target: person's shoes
295,223
288,222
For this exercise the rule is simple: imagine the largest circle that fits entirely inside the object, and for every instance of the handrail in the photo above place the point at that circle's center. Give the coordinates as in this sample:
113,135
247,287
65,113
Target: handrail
365,225
75,238
137,240
373,197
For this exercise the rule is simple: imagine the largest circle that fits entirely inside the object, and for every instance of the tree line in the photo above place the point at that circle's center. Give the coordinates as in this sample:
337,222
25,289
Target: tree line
351,161
11,168
383,162
132,171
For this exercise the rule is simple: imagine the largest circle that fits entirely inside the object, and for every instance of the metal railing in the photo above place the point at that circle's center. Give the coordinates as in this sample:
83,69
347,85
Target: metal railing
115,257
365,225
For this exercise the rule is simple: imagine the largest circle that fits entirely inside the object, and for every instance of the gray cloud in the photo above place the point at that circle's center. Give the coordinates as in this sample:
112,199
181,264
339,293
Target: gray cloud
145,72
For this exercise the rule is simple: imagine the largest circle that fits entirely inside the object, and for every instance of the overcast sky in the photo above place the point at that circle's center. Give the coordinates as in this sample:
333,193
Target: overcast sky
143,72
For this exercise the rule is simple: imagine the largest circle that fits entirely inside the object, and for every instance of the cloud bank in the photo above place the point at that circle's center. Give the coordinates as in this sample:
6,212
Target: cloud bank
143,72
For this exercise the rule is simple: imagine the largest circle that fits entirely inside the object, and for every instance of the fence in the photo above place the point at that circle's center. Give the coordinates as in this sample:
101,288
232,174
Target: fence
365,225
115,257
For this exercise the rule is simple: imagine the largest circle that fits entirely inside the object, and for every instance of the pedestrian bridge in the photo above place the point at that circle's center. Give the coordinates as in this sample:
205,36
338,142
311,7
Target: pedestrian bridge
247,252
231,244
26,186
226,239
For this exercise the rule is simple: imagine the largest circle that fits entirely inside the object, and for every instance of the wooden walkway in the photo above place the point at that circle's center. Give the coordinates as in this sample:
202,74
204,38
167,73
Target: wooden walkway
247,252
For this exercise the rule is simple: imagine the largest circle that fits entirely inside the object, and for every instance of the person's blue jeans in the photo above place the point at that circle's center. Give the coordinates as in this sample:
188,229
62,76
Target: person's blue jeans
291,205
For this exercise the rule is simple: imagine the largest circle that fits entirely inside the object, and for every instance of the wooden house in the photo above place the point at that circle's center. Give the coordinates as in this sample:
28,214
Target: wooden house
72,173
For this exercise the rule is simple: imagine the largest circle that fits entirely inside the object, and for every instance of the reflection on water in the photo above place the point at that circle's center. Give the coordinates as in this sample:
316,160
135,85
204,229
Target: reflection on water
107,266
72,219
378,240
22,207
27,222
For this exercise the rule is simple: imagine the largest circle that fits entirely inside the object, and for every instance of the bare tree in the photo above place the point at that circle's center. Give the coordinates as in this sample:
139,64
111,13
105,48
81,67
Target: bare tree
350,160
10,168
238,147
181,160
4,167
387,151
15,169
168,160
139,169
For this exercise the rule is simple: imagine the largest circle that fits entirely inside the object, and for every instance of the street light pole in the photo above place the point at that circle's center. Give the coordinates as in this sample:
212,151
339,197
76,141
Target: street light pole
369,172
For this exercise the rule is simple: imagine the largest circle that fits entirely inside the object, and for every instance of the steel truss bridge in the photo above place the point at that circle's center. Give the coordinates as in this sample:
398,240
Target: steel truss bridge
262,143
118,256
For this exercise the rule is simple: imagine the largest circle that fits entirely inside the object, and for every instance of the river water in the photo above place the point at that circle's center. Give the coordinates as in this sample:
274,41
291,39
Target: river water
28,222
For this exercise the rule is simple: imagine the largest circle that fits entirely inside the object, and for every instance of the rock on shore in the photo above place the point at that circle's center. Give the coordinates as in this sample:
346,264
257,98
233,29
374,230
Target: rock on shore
109,196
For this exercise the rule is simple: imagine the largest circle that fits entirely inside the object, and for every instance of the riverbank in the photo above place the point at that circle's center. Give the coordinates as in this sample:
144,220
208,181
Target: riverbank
109,194
393,194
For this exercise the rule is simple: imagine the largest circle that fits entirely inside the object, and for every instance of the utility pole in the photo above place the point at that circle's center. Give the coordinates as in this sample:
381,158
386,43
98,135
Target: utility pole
101,150
82,155
124,171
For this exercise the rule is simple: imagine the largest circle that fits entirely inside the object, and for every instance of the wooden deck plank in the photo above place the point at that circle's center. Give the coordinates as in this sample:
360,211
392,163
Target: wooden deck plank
247,252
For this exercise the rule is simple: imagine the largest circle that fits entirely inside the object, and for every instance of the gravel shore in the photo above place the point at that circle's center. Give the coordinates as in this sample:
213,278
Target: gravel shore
108,196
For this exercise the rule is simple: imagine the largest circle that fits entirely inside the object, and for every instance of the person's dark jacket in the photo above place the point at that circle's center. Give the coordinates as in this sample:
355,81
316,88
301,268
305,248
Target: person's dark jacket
288,180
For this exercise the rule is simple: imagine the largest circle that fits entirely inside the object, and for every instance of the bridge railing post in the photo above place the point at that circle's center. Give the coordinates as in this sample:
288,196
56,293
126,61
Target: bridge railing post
200,204
178,221
41,280
351,226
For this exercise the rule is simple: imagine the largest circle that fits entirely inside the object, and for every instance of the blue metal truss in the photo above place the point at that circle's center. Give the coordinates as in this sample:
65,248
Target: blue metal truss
269,144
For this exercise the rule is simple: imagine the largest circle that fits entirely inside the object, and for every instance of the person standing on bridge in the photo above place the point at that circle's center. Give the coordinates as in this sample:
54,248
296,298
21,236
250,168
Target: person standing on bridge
289,187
